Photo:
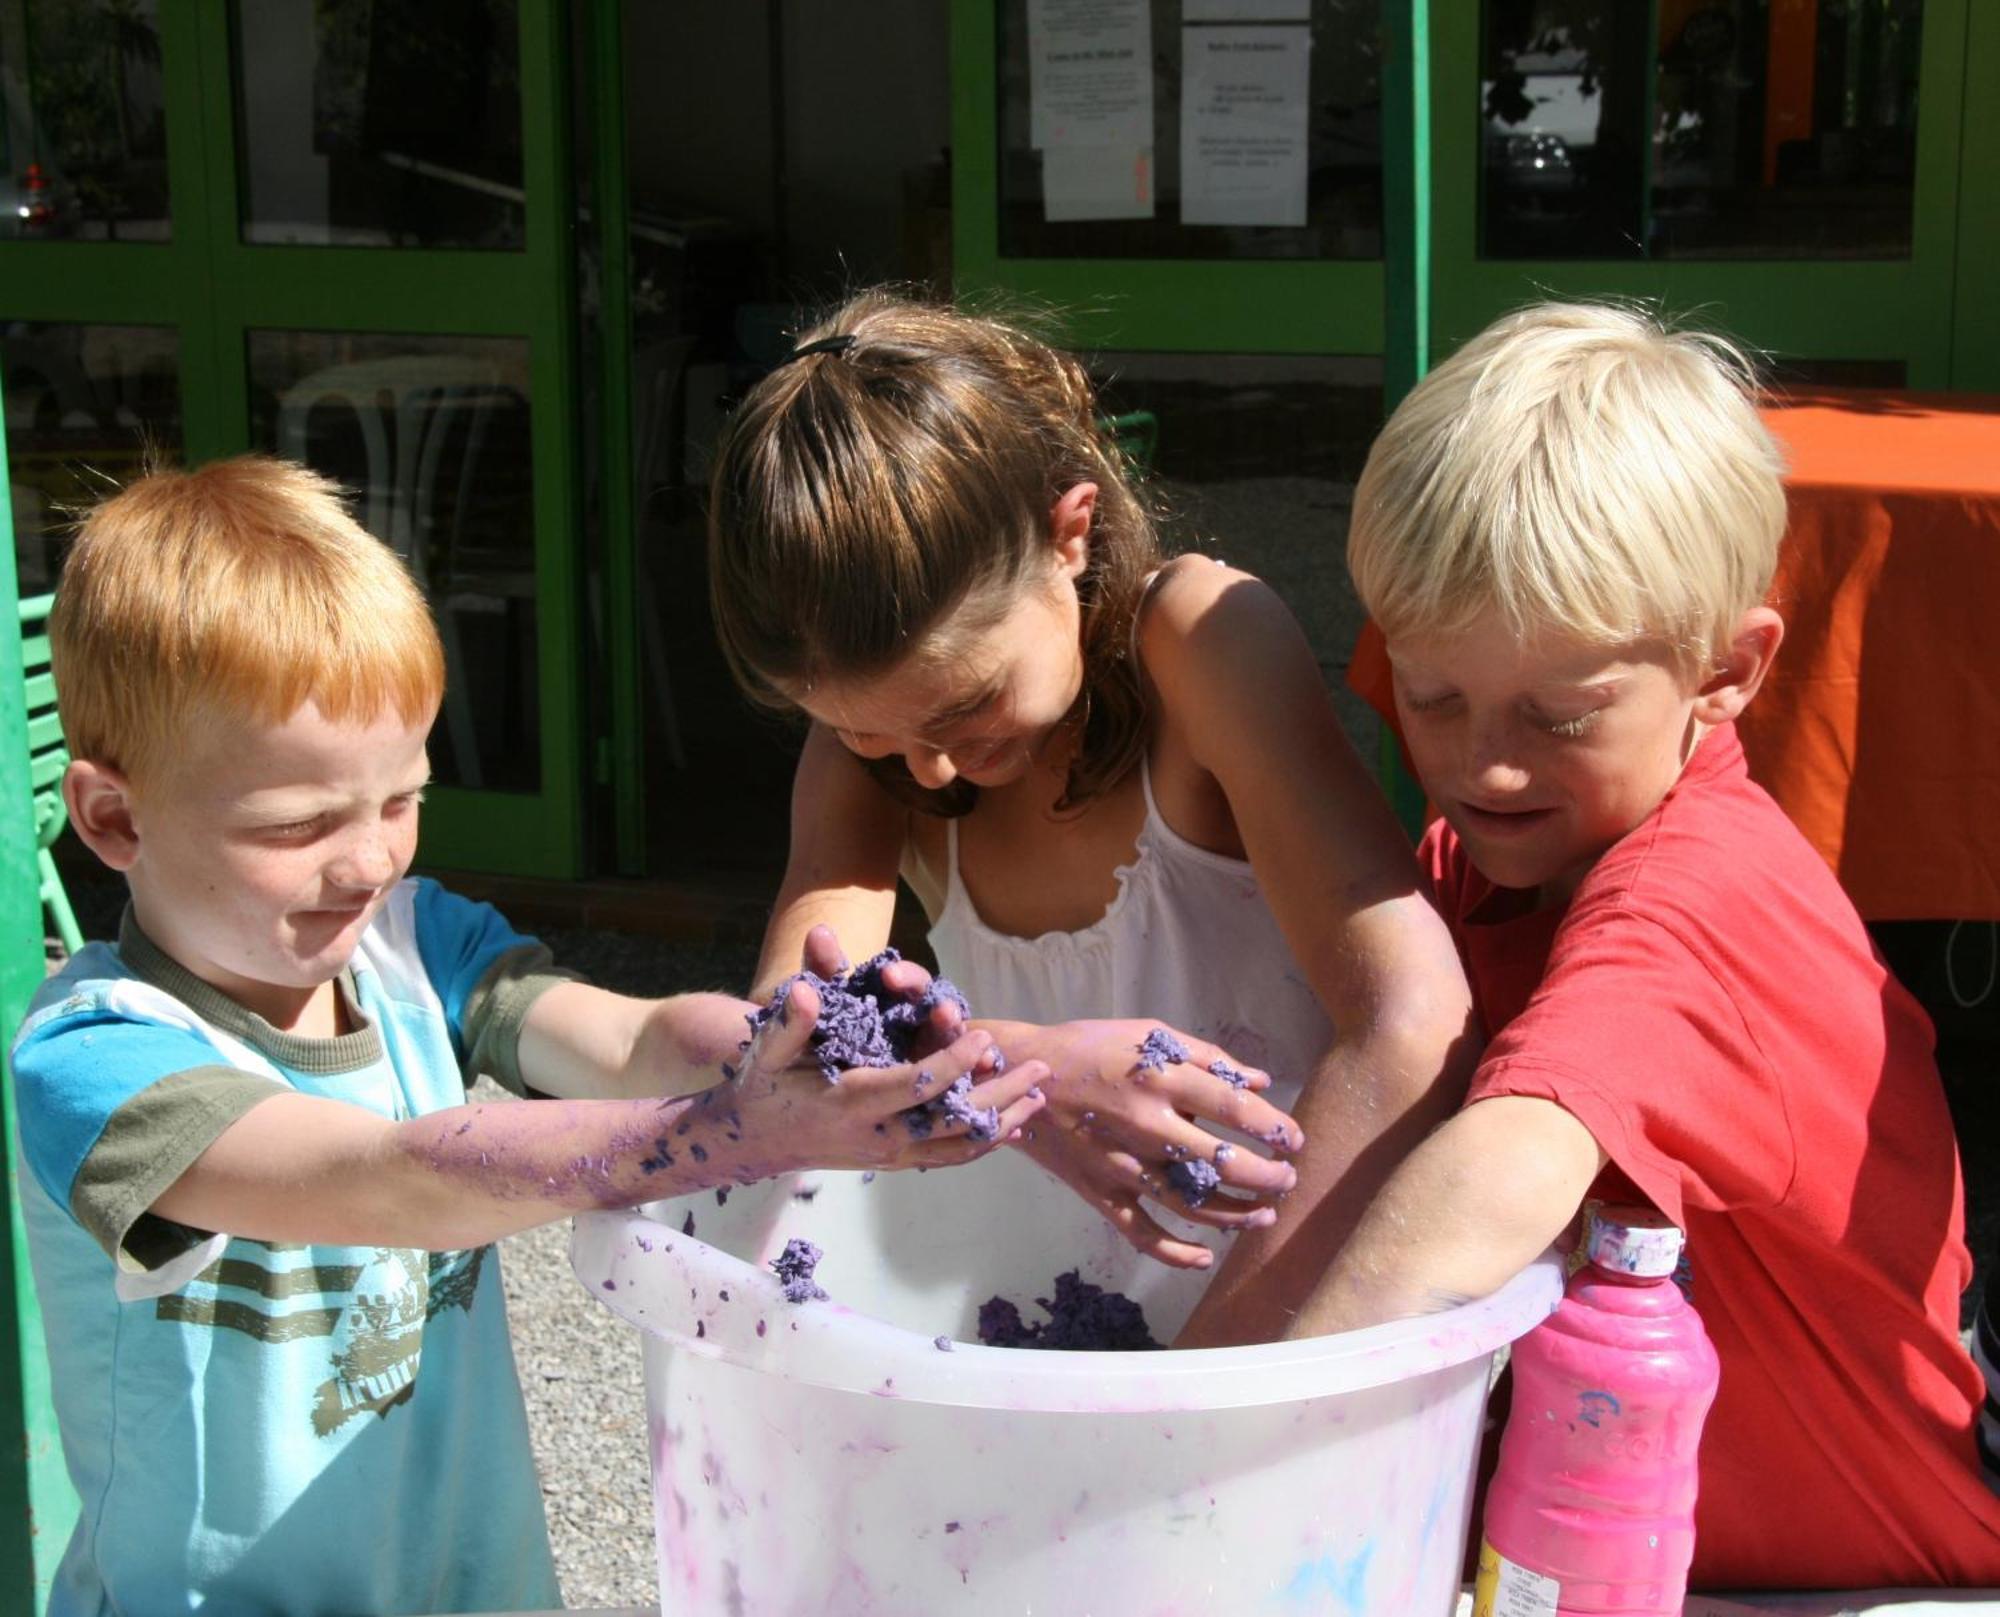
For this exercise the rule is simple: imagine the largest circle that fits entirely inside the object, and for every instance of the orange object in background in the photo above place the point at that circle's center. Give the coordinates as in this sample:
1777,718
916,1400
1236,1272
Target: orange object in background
1879,729
1788,78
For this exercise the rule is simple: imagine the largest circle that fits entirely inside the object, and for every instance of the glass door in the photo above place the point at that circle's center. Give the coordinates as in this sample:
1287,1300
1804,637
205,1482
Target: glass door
1788,170
1124,194
337,232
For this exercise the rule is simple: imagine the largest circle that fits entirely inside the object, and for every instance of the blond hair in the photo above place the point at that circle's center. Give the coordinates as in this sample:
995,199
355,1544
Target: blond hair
864,496
1581,468
236,591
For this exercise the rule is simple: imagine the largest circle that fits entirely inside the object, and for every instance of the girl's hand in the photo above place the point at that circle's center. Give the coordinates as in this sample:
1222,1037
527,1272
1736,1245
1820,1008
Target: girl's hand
1119,1132
785,1116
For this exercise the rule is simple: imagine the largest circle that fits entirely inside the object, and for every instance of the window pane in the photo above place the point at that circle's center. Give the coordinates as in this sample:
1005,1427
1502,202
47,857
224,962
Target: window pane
1343,153
85,407
431,434
364,125
83,143
1734,129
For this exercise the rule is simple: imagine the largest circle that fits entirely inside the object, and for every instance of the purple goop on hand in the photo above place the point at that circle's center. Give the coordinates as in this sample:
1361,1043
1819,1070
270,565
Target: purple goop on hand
794,1266
1160,1049
862,1023
1233,1076
1194,1179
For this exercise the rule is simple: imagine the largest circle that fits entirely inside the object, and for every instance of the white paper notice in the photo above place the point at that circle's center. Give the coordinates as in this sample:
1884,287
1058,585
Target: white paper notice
1246,11
1090,73
1244,93
1096,182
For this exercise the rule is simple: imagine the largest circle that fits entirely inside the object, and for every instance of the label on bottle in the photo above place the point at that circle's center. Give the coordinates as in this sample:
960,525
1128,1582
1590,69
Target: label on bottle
1506,1589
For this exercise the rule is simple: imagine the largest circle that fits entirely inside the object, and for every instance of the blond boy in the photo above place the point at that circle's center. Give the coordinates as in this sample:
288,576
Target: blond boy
1567,534
259,1205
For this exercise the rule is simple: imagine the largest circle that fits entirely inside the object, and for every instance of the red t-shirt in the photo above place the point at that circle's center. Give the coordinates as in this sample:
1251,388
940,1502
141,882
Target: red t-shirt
1710,1007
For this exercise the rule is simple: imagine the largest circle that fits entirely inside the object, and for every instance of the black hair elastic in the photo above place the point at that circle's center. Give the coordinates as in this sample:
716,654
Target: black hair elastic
825,345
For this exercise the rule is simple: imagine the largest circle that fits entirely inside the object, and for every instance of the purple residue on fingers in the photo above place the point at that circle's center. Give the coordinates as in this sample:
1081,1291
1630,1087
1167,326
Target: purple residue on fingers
1223,1153
1194,1179
794,1266
1083,1318
1233,1076
953,1105
1160,1049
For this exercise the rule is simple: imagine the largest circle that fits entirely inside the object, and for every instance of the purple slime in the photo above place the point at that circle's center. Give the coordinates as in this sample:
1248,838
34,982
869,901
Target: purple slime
1194,1179
794,1266
1160,1049
1083,1318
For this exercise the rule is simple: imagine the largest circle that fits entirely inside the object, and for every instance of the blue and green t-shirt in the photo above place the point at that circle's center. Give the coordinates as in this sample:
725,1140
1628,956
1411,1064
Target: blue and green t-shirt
260,1426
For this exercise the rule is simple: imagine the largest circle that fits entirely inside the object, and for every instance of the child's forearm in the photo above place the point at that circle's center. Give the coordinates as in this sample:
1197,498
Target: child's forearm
579,1042
1372,1102
302,1168
1465,1212
474,1173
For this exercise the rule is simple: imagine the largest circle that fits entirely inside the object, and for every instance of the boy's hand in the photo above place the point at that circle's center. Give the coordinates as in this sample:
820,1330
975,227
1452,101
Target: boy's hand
789,1117
1116,1127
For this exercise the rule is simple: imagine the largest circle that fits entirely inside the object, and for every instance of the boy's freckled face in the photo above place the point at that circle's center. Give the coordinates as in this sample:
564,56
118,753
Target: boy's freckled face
264,855
1540,755
984,714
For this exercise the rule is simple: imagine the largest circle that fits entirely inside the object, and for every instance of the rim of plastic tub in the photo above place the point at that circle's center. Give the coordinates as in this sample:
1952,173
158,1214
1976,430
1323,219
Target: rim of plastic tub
824,1344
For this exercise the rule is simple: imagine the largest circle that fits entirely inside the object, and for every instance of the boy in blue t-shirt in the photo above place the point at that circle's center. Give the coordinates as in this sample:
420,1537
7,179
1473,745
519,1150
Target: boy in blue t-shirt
259,1208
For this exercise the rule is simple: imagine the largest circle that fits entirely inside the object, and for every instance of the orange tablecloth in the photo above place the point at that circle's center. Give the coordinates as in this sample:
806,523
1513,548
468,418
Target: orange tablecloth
1879,730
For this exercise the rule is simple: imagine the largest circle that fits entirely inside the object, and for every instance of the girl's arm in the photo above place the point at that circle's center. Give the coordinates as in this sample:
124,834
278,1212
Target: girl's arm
1470,1208
846,849
309,1169
1242,699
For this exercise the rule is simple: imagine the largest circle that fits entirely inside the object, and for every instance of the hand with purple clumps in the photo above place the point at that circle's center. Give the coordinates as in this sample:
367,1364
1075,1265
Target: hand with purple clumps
836,1092
1124,1125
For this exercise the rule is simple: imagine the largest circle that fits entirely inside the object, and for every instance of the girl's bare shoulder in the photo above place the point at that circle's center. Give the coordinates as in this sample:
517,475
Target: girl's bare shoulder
1200,610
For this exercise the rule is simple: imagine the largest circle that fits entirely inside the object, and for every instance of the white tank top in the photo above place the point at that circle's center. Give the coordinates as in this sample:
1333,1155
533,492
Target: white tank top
1188,939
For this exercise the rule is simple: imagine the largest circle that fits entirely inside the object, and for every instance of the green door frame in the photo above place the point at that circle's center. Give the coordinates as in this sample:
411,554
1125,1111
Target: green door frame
214,290
1888,309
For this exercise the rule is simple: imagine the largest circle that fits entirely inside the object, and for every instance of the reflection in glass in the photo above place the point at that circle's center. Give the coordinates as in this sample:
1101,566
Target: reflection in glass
432,435
365,125
1718,129
87,407
83,127
1343,153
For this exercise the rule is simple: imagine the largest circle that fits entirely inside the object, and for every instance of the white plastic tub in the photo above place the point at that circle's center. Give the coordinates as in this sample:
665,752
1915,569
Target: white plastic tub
829,1458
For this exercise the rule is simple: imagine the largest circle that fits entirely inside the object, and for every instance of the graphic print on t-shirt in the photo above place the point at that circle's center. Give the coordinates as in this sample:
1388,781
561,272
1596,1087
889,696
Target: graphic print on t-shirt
373,1324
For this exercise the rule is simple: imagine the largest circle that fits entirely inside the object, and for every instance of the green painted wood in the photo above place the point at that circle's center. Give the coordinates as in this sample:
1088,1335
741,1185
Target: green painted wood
1406,303
1975,362
37,1504
616,493
1406,197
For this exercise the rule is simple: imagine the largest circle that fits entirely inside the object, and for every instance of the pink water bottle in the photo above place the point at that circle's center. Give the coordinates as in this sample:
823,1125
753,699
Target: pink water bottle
1592,1508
